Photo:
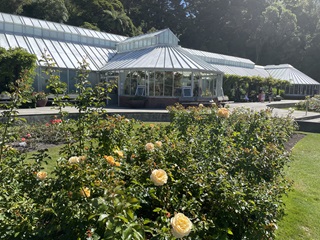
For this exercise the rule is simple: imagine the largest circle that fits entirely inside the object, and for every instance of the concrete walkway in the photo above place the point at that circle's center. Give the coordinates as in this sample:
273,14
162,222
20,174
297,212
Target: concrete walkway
279,108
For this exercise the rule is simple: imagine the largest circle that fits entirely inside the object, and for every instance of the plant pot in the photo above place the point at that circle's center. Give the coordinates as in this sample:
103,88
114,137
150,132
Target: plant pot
41,102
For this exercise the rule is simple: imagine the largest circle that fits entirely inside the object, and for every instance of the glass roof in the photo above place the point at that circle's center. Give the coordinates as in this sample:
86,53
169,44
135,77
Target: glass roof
289,73
216,58
64,54
77,34
160,57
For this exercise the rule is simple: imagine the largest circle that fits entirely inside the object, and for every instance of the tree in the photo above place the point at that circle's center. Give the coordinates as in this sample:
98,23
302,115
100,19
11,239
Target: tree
107,15
51,10
14,62
12,6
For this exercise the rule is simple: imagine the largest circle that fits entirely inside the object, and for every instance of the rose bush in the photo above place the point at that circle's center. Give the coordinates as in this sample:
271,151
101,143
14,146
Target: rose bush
211,173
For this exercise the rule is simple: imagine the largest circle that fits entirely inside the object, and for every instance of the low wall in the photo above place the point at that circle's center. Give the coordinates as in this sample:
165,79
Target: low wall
307,126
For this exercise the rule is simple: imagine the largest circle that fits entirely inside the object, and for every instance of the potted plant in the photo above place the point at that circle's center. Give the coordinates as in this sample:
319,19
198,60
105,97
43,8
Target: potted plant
41,99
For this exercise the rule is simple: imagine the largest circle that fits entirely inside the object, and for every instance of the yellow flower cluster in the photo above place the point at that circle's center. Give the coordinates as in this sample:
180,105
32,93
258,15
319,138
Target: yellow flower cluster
223,112
111,161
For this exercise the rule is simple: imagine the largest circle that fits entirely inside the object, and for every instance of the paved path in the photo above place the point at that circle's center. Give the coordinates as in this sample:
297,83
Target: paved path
310,116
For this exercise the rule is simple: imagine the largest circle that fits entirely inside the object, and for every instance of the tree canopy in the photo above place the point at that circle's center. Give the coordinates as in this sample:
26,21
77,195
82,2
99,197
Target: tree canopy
265,31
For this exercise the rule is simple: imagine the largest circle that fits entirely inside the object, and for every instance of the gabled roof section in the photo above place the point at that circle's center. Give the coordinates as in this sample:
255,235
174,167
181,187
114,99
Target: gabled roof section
163,37
215,58
159,58
291,74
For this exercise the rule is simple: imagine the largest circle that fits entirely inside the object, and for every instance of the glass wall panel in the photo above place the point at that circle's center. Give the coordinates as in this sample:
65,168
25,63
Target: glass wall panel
126,85
72,81
94,78
64,76
168,84
151,84
186,79
177,77
158,81
197,90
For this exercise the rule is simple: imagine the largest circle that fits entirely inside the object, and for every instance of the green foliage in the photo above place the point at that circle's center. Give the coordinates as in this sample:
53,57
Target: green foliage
310,104
224,171
14,64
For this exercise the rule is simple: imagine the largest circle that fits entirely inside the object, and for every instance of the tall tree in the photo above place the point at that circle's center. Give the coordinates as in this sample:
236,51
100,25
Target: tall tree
158,14
107,15
50,10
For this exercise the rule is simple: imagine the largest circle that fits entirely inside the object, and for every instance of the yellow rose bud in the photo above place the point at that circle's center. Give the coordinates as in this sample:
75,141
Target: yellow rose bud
41,175
159,177
181,225
117,164
85,192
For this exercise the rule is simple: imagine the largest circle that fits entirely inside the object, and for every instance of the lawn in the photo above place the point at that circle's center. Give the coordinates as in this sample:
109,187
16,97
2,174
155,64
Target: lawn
302,218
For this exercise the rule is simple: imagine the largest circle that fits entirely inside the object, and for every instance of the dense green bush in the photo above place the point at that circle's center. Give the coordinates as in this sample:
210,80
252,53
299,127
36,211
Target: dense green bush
209,174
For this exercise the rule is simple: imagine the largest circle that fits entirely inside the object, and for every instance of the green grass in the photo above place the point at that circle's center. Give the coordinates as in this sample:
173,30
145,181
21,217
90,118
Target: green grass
302,218
54,153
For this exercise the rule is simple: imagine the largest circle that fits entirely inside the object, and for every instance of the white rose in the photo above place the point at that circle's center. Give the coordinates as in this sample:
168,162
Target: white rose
181,225
159,177
149,147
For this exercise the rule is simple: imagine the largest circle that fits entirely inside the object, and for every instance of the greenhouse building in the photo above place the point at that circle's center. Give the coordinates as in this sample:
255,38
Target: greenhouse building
150,67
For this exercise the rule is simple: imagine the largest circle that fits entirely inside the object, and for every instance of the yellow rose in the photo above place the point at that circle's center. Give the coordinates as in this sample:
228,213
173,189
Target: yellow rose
158,144
41,175
149,147
109,159
223,112
119,153
159,177
117,164
181,225
201,105
85,192
74,160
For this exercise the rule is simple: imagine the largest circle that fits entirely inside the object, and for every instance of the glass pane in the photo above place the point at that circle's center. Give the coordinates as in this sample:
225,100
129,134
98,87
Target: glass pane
158,84
3,41
22,43
127,85
168,82
66,54
8,27
151,84
7,18
12,40
178,76
72,81
55,54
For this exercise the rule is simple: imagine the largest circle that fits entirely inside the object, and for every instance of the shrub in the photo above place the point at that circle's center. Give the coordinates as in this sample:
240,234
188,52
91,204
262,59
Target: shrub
313,104
209,174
